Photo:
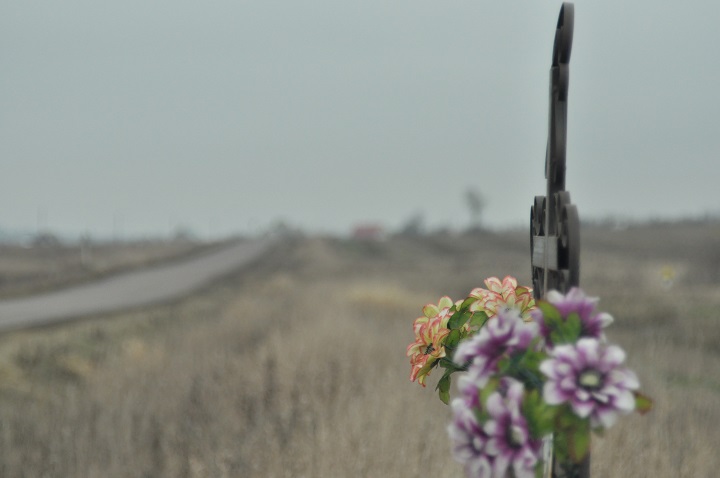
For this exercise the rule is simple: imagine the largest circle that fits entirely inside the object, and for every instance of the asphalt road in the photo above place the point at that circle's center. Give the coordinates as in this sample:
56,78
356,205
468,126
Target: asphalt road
128,290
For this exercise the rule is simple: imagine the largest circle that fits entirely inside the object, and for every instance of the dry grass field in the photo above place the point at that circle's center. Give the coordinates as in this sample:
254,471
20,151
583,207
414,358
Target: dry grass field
296,366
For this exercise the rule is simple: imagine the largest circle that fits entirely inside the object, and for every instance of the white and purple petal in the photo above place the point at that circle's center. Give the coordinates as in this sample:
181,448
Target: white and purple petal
590,377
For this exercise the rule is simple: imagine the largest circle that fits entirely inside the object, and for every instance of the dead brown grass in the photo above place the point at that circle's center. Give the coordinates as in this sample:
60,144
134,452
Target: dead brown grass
296,368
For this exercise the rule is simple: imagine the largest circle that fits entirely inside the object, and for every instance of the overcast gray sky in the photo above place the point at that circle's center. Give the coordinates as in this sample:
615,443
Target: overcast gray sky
140,115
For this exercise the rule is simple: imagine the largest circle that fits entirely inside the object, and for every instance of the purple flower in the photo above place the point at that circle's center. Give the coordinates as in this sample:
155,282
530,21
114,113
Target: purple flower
589,376
468,441
470,391
575,301
502,335
509,441
469,388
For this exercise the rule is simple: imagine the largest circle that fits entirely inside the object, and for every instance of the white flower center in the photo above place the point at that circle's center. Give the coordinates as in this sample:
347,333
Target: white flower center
590,379
517,436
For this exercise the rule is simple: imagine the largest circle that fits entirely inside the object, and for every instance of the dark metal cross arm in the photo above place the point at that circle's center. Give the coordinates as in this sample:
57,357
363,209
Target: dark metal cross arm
554,221
554,225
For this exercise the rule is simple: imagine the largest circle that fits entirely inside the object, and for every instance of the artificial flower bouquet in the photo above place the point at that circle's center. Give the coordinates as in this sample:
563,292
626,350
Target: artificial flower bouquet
530,370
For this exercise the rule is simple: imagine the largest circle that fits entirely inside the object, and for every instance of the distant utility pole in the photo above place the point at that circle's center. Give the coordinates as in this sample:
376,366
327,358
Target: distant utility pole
85,249
476,204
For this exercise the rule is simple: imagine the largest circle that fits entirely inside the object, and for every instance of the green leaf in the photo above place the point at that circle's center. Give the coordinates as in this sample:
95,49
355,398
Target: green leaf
540,416
557,337
532,358
572,327
443,387
444,382
554,321
458,319
579,440
565,419
529,378
452,339
481,415
539,469
478,319
550,312
488,390
444,397
468,302
643,403
560,446
572,435
566,331
450,365
505,366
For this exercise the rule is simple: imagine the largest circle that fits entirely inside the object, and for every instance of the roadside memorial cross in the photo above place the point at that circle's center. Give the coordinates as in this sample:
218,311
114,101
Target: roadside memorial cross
554,221
538,375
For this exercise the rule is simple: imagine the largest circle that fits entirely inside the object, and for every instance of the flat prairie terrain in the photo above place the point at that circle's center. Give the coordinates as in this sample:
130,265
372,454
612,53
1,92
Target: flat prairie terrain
37,268
296,367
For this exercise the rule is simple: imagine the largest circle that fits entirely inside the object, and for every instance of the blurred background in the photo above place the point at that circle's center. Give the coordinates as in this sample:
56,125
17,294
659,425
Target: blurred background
134,119
375,156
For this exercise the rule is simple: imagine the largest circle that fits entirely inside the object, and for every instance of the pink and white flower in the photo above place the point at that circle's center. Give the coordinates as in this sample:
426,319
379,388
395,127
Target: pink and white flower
430,333
503,295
